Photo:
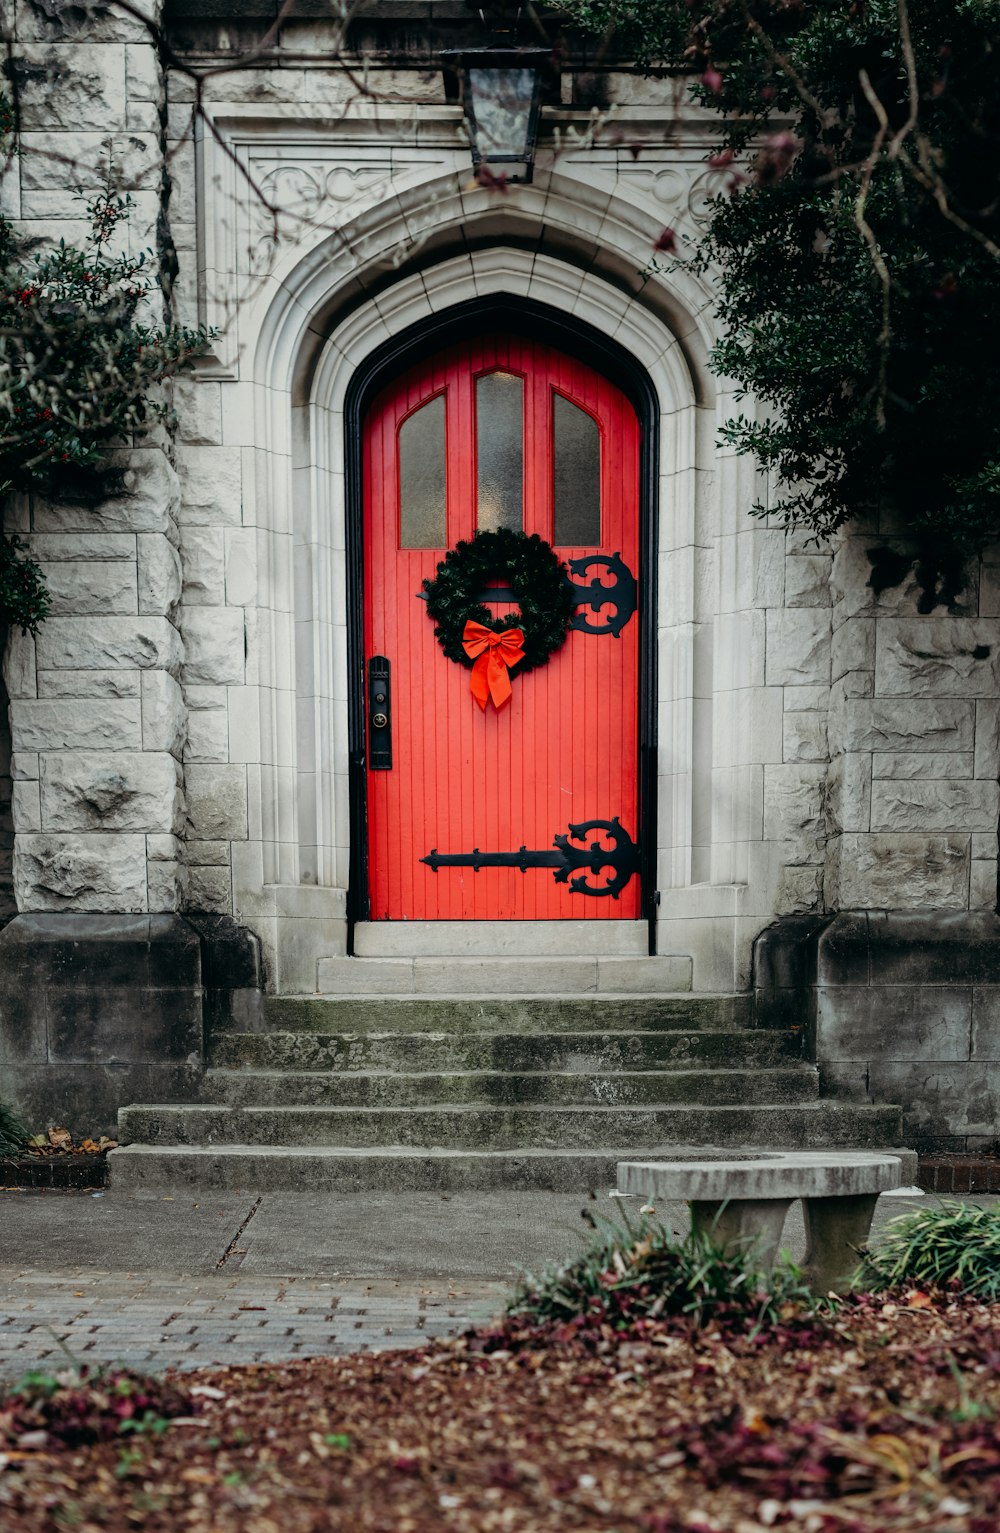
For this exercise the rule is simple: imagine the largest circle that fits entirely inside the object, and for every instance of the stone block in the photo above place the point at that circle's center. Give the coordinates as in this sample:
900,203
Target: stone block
67,724
24,766
938,657
77,547
987,749
806,699
123,790
210,889
89,683
884,724
214,644
207,736
807,580
217,803
948,804
25,808
98,588
203,558
84,872
197,401
164,715
96,24
241,566
940,1101
146,500
71,86
129,643
20,665
849,588
794,801
159,574
135,157
843,950
983,884
852,647
879,871
799,888
143,76
907,765
893,1021
935,948
986,1020
166,885
804,737
798,647
989,591
211,481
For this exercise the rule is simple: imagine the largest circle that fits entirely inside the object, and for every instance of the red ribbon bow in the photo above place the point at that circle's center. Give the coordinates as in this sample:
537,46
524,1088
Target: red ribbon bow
496,653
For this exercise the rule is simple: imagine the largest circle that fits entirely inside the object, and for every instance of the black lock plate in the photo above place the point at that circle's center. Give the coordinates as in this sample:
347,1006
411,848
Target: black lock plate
379,715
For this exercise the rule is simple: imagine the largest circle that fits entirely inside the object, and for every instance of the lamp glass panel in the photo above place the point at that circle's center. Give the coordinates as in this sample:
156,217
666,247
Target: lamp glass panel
501,103
576,457
422,502
500,451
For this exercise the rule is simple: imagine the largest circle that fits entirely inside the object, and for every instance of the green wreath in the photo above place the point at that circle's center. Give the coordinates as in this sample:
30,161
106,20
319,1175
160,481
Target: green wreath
535,574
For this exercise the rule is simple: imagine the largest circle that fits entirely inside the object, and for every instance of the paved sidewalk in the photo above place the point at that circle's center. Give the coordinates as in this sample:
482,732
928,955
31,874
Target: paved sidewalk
156,1322
236,1277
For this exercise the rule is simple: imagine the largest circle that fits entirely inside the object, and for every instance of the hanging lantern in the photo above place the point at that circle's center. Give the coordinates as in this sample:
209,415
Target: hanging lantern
501,94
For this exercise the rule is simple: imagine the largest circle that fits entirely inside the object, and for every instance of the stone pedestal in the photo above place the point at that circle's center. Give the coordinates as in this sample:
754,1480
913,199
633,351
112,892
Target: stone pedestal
97,1011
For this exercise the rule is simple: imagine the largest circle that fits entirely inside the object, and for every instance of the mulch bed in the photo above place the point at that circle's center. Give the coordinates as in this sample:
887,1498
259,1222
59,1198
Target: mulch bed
53,1159
885,1418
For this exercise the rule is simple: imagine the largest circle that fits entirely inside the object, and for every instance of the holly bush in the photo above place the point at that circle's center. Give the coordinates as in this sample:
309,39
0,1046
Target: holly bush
79,371
855,243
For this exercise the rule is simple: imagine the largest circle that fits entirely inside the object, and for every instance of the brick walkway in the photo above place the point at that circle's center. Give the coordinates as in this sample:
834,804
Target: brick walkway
165,1321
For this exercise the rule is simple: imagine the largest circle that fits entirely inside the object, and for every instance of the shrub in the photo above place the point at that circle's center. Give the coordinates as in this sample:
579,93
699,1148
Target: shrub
79,369
641,1272
856,239
13,1131
82,1406
954,1245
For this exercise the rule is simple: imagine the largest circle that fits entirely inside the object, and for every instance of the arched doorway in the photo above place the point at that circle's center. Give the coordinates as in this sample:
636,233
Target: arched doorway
539,811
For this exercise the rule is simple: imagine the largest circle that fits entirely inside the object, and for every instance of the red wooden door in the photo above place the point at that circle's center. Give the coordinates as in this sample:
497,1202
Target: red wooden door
500,431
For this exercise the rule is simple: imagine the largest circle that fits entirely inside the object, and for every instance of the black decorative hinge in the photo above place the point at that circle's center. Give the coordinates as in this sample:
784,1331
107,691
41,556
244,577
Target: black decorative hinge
622,857
622,594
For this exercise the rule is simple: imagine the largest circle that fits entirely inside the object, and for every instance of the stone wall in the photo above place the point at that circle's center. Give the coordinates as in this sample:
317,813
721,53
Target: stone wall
97,716
179,727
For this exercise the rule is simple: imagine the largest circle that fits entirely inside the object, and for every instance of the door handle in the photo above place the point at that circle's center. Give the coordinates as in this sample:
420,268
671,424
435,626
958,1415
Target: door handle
379,714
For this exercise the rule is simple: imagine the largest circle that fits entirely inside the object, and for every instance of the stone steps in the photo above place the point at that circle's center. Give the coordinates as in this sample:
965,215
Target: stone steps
496,1088
480,1091
589,1052
645,1129
506,1014
519,974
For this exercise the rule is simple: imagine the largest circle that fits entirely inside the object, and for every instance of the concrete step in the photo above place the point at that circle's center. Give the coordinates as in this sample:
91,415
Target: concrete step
497,1088
506,1014
642,1130
562,975
587,1052
504,939
256,1168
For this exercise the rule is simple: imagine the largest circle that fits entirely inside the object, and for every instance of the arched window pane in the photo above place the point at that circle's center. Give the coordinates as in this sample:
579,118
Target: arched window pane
422,503
500,451
577,473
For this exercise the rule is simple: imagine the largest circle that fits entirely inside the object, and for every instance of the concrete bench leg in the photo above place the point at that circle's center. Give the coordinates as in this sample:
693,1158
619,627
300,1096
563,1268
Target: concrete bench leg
835,1229
752,1225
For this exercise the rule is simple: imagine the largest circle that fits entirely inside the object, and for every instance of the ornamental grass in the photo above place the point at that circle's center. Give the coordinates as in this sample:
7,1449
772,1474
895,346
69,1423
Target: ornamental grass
951,1246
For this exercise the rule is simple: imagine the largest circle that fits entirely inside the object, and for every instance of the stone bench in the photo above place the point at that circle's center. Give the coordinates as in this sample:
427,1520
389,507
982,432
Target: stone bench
743,1200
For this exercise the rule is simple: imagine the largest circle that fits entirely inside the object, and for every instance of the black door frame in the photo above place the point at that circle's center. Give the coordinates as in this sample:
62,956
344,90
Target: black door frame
517,316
